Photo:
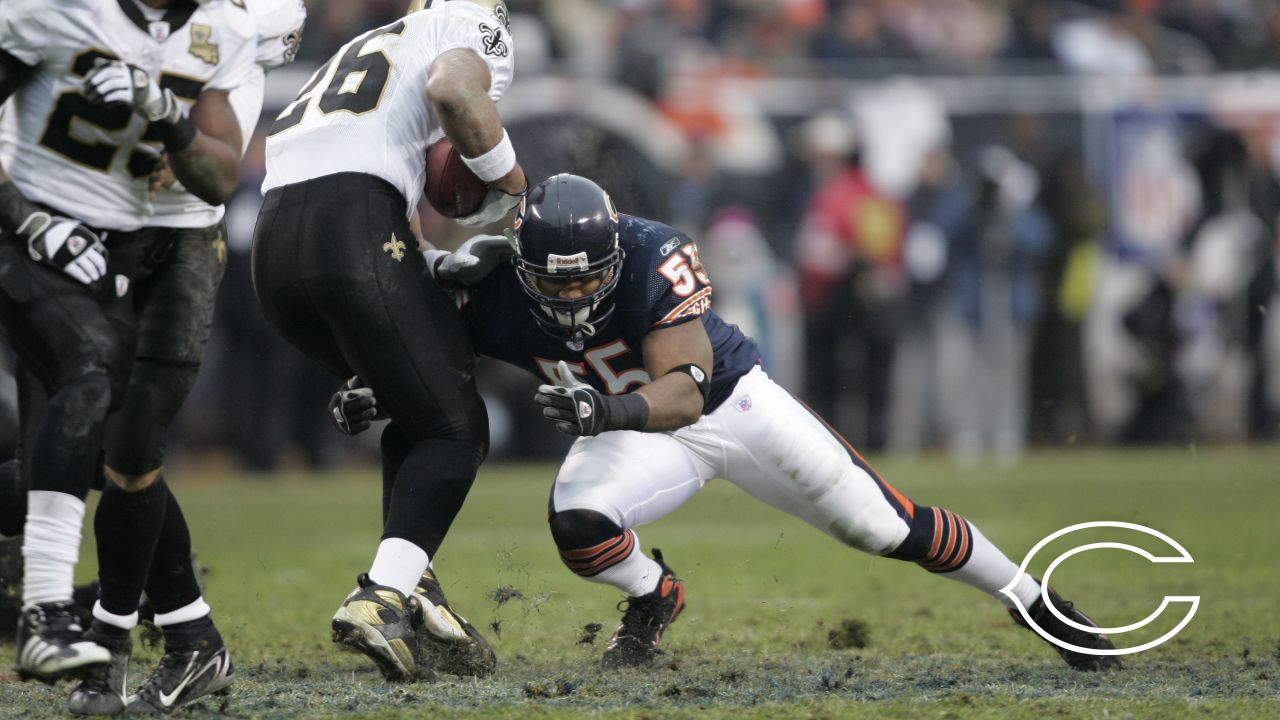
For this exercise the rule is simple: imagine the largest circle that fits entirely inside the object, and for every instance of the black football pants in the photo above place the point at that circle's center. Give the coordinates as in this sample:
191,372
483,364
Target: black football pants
337,271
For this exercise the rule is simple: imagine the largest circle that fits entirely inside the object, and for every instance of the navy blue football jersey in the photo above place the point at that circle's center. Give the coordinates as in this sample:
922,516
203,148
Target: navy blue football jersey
663,284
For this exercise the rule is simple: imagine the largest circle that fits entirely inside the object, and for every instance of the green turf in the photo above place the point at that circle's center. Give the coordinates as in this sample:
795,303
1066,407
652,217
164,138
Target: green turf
764,594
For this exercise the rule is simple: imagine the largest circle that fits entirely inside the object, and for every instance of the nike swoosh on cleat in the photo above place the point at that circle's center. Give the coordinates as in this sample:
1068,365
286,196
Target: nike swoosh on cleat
187,676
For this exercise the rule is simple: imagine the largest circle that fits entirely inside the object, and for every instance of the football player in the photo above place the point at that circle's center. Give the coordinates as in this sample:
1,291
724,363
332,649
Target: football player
101,89
666,396
336,272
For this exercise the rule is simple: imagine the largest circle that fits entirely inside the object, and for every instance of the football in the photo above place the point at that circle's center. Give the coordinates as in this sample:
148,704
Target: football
452,189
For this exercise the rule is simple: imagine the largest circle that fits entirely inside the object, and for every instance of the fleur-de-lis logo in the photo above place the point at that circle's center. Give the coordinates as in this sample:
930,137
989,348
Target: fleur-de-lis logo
493,43
395,247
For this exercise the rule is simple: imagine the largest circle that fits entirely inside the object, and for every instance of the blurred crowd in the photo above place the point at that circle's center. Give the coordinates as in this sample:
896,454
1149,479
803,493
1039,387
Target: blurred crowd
972,282
641,41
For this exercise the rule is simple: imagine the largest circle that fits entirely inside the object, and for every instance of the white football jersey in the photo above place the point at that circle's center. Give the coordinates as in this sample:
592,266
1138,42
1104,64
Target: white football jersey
366,109
279,24
93,162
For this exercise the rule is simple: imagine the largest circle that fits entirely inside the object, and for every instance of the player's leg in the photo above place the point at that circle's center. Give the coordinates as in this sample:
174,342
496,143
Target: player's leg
608,485
405,339
60,333
174,311
788,457
333,260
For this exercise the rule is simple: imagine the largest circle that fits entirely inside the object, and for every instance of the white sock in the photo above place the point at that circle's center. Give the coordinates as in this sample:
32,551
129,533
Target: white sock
636,575
50,546
124,622
990,571
399,564
191,611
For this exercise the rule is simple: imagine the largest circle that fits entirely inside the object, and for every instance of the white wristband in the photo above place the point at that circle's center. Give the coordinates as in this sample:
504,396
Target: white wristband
495,163
433,257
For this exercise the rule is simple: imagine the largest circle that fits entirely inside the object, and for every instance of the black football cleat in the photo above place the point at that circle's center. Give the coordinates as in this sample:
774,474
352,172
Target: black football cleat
376,621
198,667
635,642
447,643
103,691
1050,623
51,644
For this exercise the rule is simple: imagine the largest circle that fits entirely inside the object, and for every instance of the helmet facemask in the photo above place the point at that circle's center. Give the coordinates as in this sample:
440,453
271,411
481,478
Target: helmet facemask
572,319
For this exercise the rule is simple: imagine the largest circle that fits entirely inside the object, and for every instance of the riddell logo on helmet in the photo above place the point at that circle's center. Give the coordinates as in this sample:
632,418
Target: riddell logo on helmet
567,263
1180,556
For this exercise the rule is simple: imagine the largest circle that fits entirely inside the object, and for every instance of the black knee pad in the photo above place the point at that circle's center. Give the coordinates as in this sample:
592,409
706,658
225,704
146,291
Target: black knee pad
939,540
575,529
589,542
136,433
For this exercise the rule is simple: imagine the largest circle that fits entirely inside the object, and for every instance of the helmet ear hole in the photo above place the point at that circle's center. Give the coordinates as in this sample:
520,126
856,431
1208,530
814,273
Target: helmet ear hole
567,229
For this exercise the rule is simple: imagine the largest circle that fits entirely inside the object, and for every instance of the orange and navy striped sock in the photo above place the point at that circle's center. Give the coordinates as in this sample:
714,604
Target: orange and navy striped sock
939,541
943,542
598,549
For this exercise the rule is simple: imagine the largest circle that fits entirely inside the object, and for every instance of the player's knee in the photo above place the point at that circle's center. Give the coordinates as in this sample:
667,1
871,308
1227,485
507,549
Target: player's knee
131,482
82,402
589,542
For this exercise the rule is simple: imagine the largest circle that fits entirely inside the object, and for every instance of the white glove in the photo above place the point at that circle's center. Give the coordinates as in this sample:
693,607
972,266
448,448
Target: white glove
66,245
476,258
497,203
115,81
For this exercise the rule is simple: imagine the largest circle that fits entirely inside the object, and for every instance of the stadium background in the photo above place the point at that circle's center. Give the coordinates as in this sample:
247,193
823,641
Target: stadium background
1073,204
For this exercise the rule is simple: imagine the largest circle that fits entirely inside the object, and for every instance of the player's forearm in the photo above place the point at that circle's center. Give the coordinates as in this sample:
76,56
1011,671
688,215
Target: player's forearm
674,402
470,120
209,168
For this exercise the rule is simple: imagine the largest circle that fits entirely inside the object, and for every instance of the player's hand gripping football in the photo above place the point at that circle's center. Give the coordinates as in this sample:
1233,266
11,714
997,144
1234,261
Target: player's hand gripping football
115,81
65,244
476,258
353,407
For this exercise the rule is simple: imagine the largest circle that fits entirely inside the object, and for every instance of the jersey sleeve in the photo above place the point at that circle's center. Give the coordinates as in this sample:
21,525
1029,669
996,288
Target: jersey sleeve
236,38
279,31
24,31
489,36
678,286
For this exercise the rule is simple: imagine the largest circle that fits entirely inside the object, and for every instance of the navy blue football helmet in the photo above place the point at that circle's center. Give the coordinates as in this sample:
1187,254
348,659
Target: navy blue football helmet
567,229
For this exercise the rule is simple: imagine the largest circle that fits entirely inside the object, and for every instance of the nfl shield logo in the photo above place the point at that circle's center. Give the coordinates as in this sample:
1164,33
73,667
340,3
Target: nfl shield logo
159,30
744,404
122,285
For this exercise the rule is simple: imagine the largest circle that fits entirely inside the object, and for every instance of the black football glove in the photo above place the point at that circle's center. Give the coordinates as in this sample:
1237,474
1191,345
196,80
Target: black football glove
576,408
353,407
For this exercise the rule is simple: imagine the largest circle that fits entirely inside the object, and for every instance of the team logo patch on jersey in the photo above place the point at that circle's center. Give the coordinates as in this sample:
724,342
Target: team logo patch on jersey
291,43
395,247
159,30
669,245
493,43
200,45
567,263
500,12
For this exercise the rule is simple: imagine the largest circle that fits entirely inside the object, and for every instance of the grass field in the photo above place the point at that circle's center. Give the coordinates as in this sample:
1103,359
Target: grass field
765,594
